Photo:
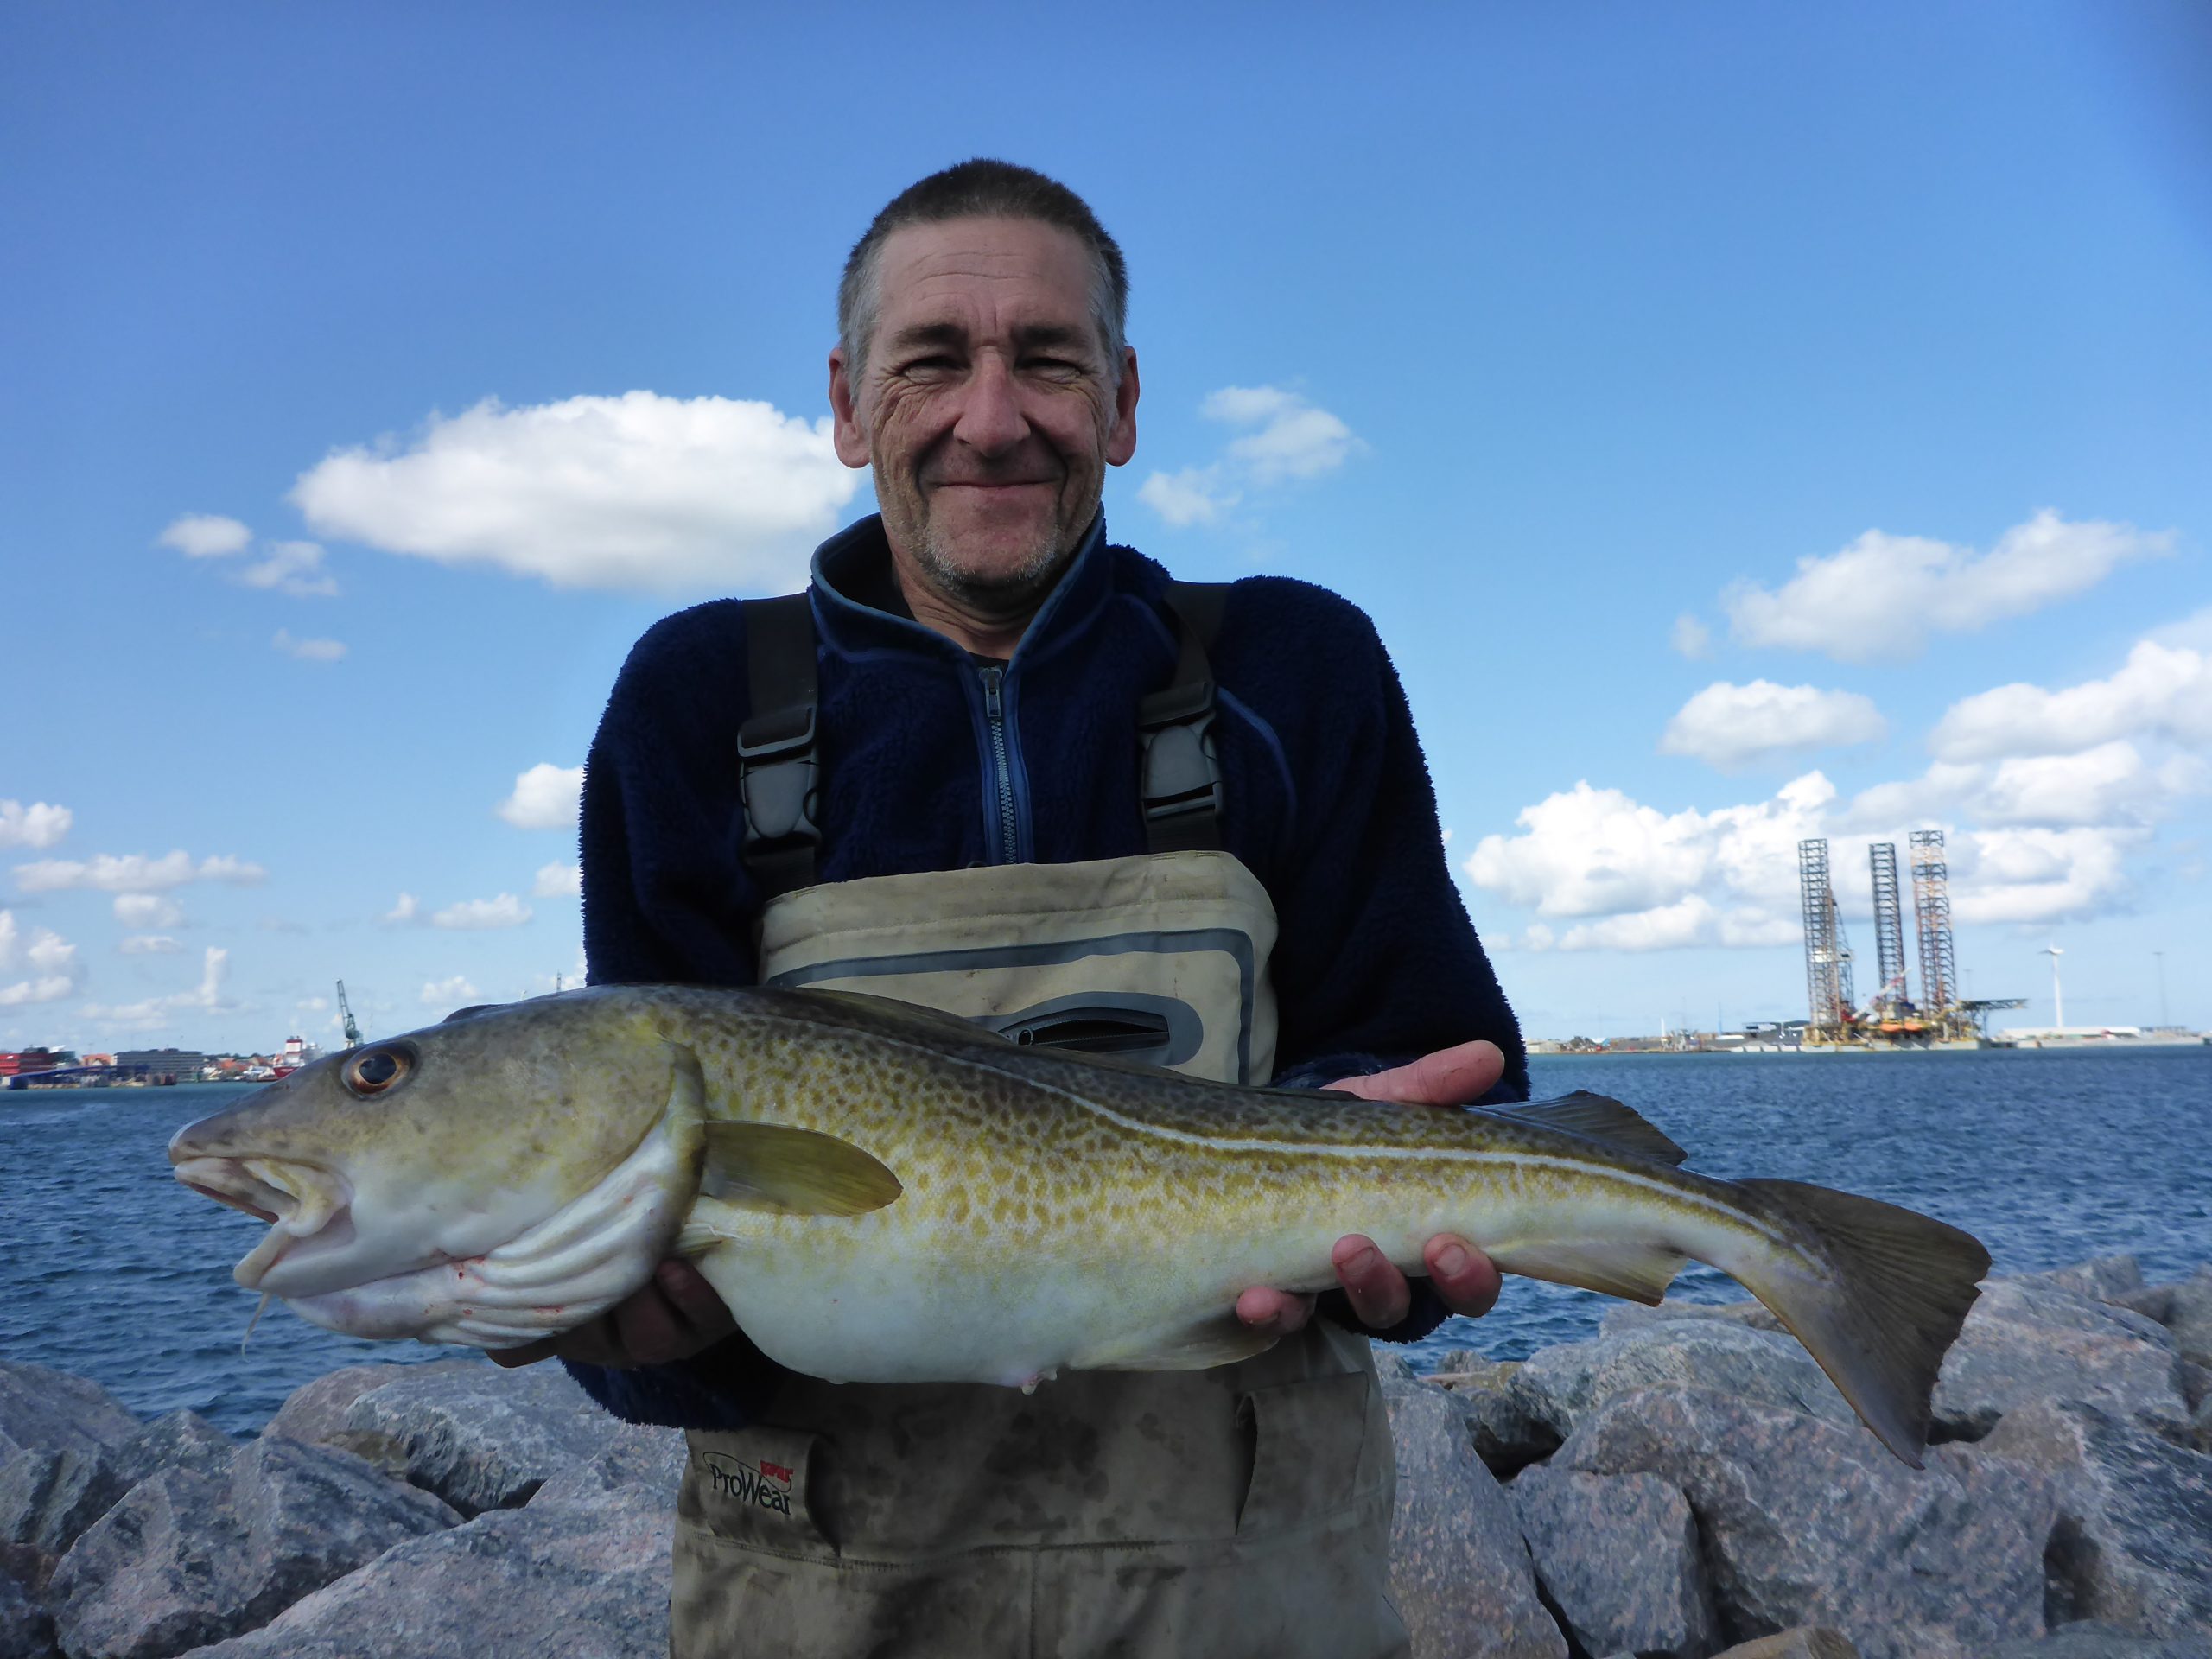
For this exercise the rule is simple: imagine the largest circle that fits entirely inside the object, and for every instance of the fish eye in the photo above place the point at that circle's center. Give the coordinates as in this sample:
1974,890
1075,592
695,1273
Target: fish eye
378,1071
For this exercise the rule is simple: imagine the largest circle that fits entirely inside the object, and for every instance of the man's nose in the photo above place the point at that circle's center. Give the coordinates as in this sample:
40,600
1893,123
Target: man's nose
991,420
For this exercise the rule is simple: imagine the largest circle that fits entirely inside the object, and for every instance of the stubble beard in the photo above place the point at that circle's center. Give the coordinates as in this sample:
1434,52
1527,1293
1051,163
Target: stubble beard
1000,593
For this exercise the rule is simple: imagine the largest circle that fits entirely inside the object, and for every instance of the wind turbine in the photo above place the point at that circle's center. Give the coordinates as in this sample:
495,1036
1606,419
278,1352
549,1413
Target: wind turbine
2057,1001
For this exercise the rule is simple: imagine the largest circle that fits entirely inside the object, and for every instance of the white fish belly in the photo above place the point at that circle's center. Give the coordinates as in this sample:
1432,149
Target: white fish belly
920,1320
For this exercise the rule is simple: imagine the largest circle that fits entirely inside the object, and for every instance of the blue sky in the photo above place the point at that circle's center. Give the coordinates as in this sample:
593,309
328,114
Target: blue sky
1717,409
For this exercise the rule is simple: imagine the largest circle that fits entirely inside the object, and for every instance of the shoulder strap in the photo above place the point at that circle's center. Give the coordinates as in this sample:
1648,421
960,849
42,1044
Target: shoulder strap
1181,784
779,778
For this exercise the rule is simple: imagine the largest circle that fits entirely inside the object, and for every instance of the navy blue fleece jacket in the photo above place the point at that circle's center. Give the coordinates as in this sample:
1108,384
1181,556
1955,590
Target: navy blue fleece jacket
1327,801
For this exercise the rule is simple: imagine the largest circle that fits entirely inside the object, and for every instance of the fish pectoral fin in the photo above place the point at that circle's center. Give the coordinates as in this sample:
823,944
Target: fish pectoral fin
1220,1341
793,1172
1596,1117
697,1236
1636,1272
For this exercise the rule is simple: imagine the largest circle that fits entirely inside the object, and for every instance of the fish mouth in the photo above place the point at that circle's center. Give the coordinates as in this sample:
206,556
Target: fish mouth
300,1202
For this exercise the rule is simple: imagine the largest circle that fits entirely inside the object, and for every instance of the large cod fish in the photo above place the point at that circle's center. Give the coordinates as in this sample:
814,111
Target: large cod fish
886,1194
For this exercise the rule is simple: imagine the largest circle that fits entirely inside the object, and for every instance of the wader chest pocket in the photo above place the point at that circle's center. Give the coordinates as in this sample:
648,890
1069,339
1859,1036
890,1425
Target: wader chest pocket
1307,1438
1160,1030
750,1486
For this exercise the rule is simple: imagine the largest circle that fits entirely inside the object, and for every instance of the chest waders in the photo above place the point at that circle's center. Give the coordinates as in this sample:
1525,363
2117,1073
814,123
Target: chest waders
1241,1510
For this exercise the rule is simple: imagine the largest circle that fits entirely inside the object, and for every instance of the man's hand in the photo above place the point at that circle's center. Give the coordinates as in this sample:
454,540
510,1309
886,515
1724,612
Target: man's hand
1463,1275
675,1315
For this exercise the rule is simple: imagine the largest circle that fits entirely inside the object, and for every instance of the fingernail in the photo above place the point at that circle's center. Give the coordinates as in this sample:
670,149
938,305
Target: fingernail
1452,1260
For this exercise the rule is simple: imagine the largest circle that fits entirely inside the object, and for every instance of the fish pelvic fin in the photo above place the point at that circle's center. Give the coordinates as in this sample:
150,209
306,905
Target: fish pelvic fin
1889,1291
1220,1341
792,1171
1598,1117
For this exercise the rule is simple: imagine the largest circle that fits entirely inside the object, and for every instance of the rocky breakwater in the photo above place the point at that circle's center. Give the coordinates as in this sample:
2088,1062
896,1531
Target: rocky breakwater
424,1511
1685,1484
1689,1483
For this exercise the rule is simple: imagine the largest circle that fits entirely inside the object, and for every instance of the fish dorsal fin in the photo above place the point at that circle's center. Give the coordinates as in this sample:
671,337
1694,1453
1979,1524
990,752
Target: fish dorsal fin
925,1021
793,1172
1596,1118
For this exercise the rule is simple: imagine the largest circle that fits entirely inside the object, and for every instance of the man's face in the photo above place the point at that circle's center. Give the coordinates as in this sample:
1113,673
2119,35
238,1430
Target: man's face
987,404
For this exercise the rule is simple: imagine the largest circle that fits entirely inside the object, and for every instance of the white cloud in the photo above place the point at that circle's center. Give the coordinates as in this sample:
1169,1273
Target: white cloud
2111,785
294,567
1290,439
449,993
2193,632
50,960
639,491
1882,595
546,797
1294,439
37,826
150,944
206,997
308,651
409,909
1687,921
559,881
1596,852
1691,638
147,911
1194,496
1727,725
231,871
205,536
2161,690
2039,875
134,873
2029,841
506,911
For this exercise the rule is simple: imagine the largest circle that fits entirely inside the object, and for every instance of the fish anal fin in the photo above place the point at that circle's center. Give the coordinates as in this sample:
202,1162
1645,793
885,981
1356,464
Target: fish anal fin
1220,1341
1598,1117
793,1172
1634,1271
1887,1292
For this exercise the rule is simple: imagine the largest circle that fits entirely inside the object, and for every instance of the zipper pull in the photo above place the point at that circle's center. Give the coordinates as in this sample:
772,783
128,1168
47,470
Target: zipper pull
994,707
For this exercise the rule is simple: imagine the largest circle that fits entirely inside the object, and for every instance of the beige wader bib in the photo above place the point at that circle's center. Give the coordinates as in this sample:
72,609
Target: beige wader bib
1241,1510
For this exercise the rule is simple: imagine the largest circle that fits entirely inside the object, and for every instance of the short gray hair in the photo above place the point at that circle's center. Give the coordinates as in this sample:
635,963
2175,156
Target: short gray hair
984,189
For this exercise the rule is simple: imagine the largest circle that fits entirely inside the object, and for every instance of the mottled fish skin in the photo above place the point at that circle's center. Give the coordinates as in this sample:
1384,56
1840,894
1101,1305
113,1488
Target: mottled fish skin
962,1209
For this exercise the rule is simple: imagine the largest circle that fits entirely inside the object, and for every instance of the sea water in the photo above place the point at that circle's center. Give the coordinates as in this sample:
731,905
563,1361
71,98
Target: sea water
111,1270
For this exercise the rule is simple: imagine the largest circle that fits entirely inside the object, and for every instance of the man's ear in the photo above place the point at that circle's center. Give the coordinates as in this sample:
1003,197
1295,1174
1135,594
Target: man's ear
1121,441
849,431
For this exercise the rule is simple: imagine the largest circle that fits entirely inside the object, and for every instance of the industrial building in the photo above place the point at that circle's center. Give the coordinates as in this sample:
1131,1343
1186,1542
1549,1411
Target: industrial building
1940,1017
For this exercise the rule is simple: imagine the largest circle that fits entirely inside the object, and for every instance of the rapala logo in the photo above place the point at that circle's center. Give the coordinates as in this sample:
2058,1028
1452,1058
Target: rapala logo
766,1485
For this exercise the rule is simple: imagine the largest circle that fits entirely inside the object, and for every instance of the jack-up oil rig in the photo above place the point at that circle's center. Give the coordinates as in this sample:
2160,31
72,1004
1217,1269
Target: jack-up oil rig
1941,1018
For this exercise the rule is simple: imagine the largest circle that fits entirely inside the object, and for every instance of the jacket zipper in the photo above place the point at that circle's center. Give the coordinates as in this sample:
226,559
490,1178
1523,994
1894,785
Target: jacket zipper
1002,772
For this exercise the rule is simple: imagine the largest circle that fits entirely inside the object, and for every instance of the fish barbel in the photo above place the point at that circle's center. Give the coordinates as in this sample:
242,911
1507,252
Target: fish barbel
883,1193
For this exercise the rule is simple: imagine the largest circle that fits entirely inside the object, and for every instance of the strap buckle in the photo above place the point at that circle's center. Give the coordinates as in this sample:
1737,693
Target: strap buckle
1181,772
778,779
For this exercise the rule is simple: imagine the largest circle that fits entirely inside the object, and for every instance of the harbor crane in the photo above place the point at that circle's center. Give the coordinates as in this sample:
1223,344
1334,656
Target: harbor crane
346,1012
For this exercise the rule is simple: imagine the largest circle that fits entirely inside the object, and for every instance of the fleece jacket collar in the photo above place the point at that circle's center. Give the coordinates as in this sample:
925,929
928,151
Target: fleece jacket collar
856,561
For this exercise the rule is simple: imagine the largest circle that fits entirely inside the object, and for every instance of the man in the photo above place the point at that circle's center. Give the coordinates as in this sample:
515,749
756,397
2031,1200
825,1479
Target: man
978,676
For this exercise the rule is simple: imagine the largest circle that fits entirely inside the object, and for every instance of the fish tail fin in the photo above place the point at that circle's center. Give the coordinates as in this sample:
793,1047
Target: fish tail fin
1888,1290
